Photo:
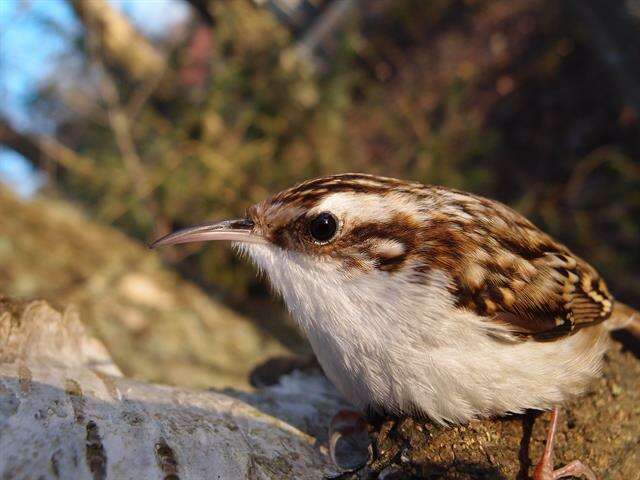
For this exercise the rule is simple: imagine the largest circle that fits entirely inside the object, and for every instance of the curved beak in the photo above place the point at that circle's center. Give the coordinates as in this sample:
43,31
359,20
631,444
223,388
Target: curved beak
235,230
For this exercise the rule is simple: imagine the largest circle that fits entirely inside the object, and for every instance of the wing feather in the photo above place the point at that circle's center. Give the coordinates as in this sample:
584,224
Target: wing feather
517,275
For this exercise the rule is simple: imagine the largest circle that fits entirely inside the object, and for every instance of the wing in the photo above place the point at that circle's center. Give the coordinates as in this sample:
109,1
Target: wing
512,273
555,297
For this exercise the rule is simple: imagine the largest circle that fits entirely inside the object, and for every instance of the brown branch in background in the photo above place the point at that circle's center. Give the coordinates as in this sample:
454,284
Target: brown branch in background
121,126
102,23
120,44
119,122
139,97
324,28
585,167
40,150
203,7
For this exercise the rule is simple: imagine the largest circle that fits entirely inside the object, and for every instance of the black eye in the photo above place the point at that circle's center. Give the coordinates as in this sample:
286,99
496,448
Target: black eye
323,227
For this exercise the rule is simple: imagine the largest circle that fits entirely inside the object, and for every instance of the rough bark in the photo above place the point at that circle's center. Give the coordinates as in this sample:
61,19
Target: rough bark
66,412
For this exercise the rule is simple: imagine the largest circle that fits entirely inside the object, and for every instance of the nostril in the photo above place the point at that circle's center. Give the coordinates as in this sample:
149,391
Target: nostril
242,224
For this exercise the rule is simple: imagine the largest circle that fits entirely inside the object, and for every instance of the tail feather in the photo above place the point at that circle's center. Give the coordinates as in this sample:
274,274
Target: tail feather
624,317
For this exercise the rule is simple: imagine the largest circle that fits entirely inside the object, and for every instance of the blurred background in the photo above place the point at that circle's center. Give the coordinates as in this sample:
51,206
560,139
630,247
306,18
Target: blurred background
123,119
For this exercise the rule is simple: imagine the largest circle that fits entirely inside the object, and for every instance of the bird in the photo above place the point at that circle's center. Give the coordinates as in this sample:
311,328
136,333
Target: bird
428,301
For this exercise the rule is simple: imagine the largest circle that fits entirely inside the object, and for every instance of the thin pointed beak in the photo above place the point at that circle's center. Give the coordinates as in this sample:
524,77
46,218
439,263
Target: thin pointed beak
234,230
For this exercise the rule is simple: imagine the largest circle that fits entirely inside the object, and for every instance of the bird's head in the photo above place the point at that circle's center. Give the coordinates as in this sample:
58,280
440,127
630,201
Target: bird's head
329,235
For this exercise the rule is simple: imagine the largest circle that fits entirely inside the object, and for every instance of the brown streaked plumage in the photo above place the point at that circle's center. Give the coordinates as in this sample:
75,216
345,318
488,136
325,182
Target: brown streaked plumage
503,267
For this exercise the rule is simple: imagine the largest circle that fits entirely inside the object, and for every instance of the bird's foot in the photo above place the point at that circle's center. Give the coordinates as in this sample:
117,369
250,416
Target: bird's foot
376,446
349,443
544,469
372,447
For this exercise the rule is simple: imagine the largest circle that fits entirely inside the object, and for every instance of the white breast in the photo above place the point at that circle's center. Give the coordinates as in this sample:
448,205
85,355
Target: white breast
403,346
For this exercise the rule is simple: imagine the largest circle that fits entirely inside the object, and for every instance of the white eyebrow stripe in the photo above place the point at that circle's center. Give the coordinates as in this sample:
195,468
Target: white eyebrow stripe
368,207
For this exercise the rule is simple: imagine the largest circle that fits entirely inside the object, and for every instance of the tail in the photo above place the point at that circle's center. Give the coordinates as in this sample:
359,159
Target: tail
624,317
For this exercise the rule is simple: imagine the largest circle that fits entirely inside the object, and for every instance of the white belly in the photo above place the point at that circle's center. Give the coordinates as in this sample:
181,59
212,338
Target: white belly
461,380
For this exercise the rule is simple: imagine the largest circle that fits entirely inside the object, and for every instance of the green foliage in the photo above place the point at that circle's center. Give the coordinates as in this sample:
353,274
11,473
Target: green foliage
475,95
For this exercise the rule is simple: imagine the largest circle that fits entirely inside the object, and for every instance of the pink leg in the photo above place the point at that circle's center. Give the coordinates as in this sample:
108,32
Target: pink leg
544,469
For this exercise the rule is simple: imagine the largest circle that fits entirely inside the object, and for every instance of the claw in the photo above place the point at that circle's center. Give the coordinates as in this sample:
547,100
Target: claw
349,443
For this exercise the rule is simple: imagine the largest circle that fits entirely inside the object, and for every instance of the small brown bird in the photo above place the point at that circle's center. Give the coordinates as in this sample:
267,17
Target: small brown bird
427,301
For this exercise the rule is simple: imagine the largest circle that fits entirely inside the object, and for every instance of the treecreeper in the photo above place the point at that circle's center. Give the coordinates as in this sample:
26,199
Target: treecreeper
426,301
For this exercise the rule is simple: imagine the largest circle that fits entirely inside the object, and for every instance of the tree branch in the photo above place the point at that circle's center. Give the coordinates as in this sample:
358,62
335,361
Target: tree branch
203,7
40,150
120,44
67,408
